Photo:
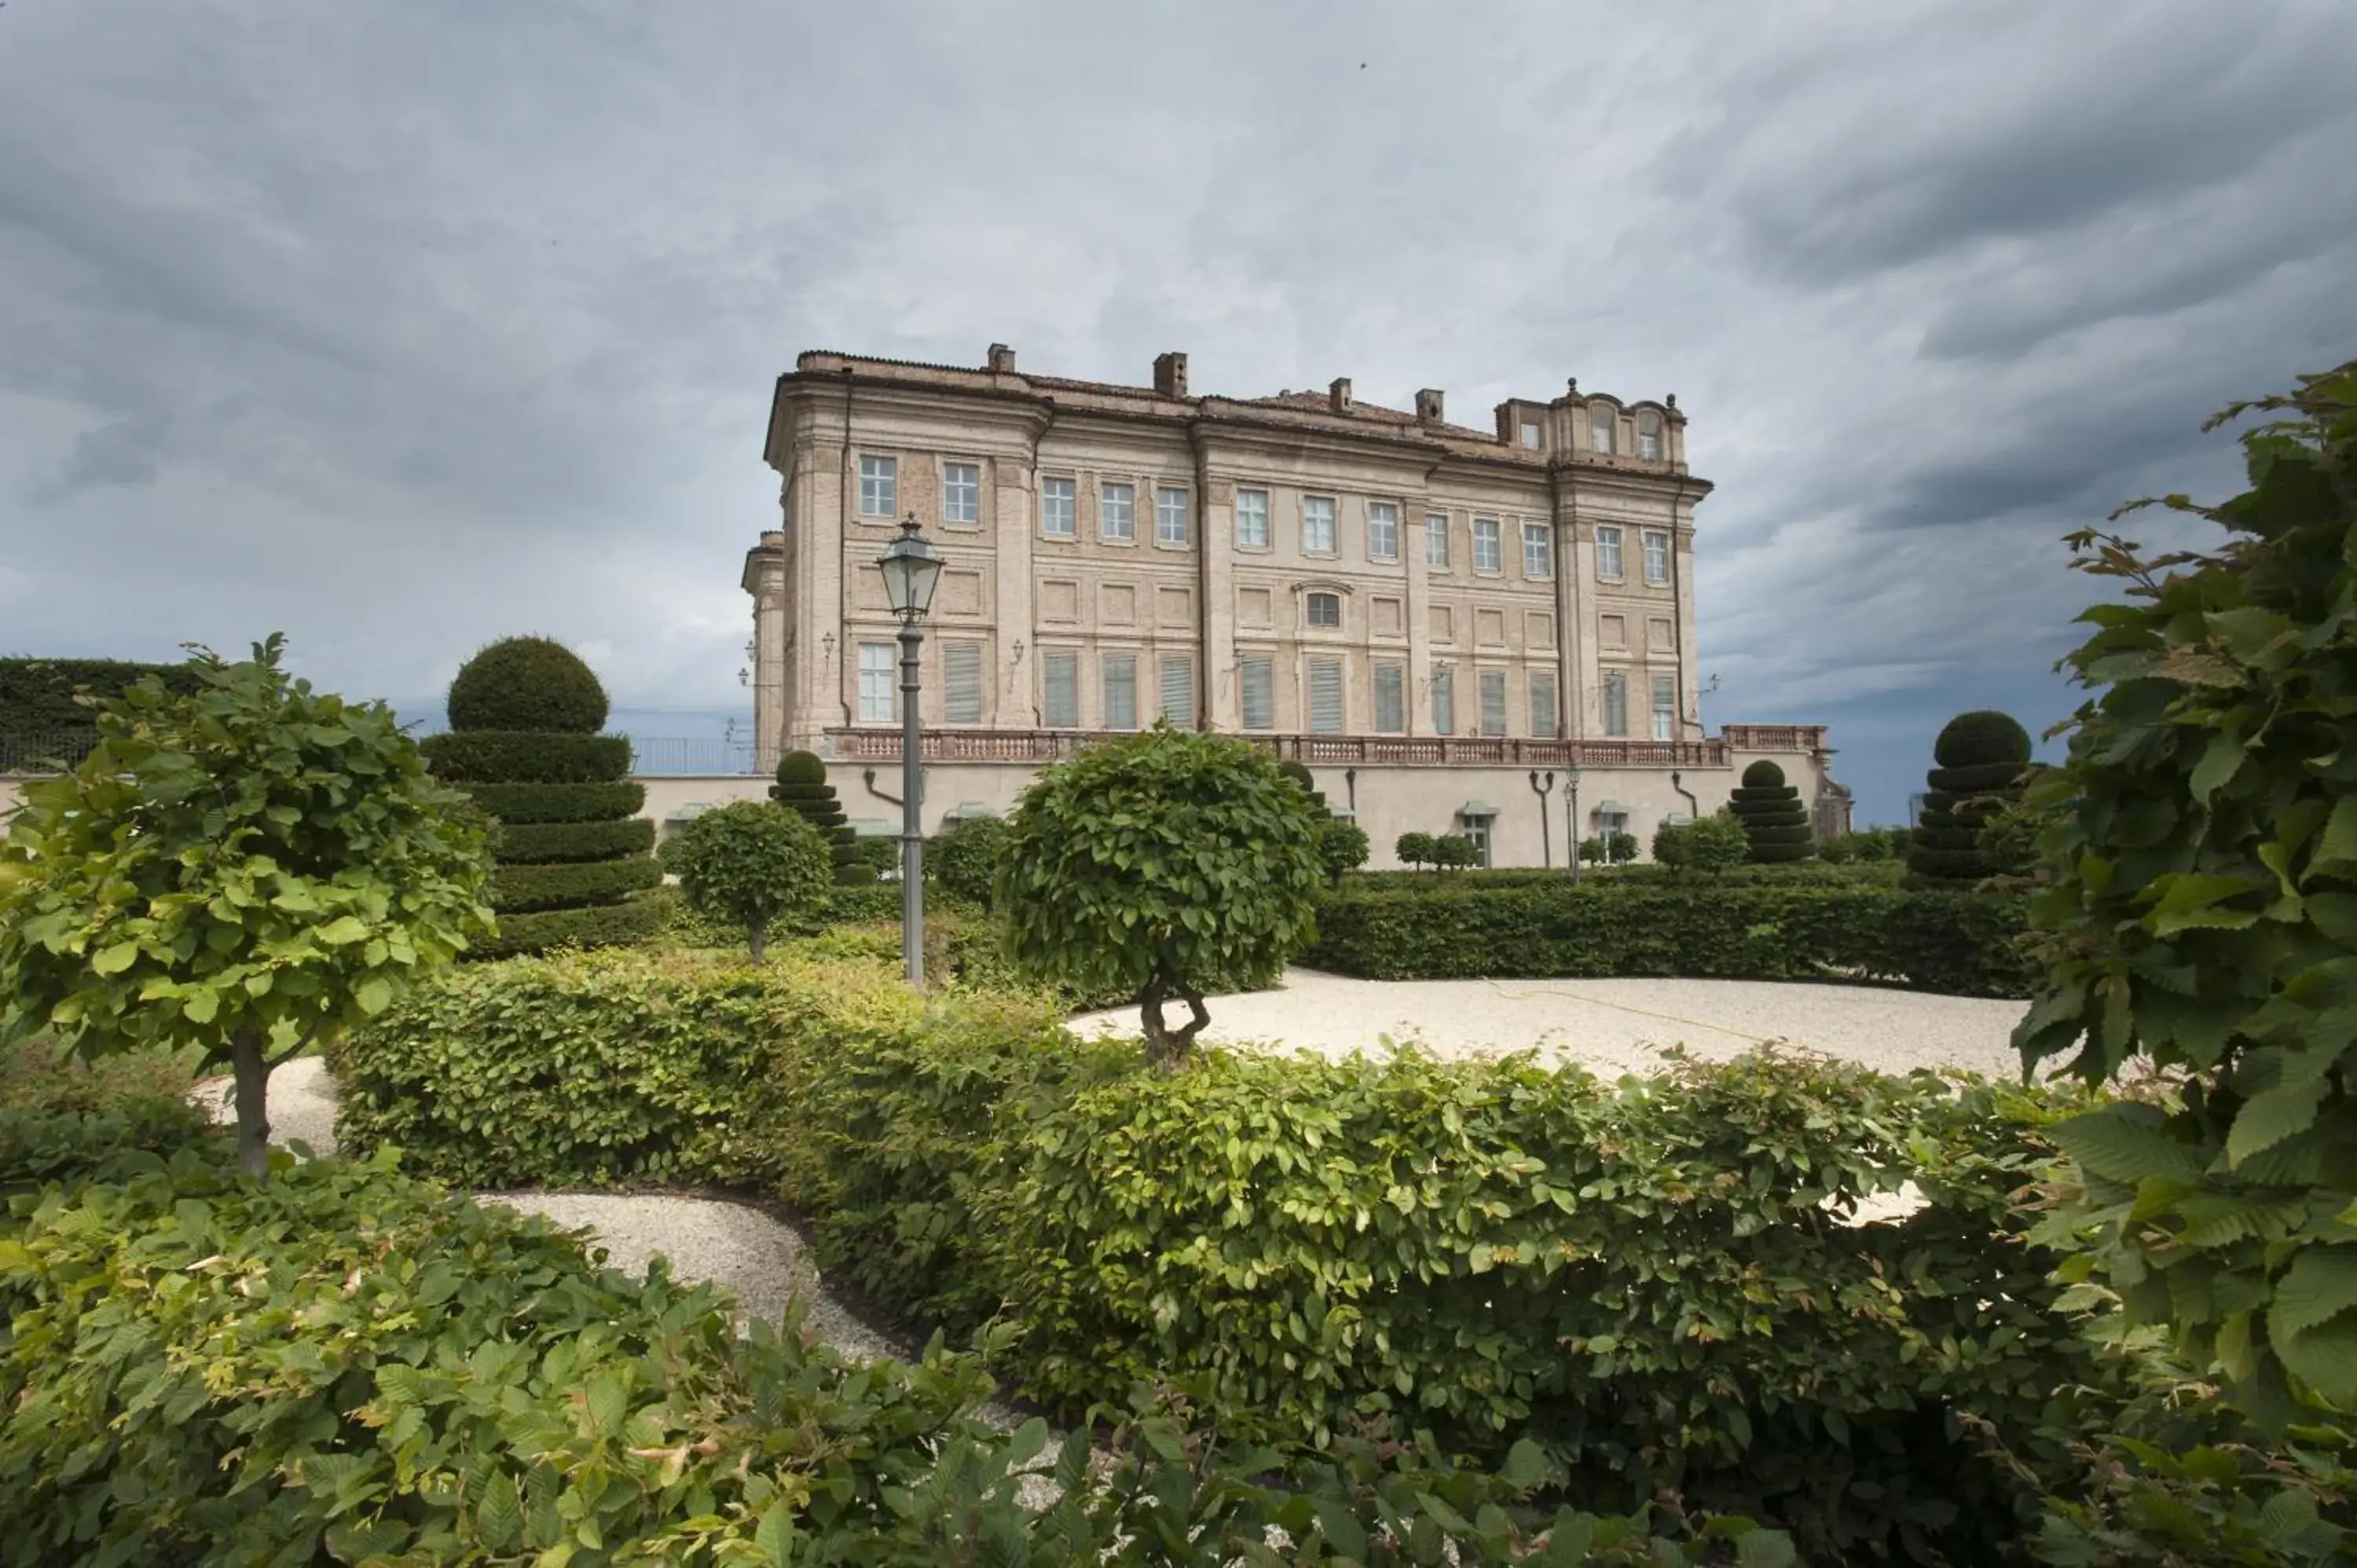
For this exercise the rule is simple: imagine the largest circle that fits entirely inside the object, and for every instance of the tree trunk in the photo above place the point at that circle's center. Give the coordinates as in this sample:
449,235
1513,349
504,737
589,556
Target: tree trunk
1167,1049
253,1085
757,937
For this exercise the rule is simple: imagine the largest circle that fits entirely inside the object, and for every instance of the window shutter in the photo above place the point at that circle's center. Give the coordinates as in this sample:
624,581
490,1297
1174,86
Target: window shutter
961,682
1493,702
1391,707
1326,697
1121,691
1259,699
1444,699
1616,704
1543,719
1062,676
1178,692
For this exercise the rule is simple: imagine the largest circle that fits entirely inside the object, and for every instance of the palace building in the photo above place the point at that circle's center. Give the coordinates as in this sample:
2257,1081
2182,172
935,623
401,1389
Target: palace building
1435,618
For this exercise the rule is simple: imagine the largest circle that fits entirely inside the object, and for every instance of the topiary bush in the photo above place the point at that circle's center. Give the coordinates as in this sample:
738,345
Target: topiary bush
802,787
574,861
1341,847
1414,850
1775,822
1981,758
529,683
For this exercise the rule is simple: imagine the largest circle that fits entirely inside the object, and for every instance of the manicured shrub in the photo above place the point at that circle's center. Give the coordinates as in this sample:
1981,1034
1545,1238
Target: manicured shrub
1415,849
1762,926
243,871
751,865
42,726
1341,847
1608,849
1775,822
1981,758
1150,862
802,788
963,859
879,852
62,1116
1714,844
2203,916
1455,851
573,856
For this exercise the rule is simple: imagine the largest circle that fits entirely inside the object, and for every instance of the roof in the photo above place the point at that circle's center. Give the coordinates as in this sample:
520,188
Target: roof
1366,413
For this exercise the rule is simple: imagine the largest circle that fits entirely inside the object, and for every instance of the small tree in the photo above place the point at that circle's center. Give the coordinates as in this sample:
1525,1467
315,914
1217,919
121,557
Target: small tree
1716,843
1455,851
1341,847
1146,863
1670,840
749,864
1773,820
963,859
249,868
1414,850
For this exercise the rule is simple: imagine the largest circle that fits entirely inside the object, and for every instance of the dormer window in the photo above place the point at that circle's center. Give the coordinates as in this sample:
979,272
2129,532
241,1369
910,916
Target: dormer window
1649,437
1531,434
1325,609
1600,427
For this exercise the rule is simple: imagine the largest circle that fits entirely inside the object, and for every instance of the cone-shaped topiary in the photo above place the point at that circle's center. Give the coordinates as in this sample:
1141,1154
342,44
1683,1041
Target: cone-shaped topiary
574,857
1774,821
527,683
802,786
1299,771
1981,758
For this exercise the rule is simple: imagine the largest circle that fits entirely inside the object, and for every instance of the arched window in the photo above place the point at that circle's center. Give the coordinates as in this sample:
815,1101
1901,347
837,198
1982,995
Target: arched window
1325,609
1649,435
1600,427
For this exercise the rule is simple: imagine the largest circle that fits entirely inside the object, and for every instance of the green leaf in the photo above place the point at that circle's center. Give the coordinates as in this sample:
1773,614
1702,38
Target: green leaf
2126,1143
2321,1284
200,1007
343,931
115,958
774,1536
374,994
2220,762
499,1516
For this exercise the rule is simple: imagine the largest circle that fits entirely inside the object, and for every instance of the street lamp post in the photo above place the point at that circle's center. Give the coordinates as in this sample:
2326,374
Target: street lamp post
1546,851
1571,820
911,568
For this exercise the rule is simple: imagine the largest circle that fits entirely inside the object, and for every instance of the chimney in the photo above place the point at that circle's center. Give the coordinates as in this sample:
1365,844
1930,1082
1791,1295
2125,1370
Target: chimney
1338,394
1427,406
1002,359
1170,374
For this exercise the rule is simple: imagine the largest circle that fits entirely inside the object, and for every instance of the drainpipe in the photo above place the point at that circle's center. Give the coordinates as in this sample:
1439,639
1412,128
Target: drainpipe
868,778
1694,807
1350,783
843,537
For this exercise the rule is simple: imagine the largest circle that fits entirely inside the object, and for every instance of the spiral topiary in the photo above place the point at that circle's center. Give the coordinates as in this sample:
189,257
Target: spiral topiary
533,684
1980,758
1299,771
1774,821
575,862
802,786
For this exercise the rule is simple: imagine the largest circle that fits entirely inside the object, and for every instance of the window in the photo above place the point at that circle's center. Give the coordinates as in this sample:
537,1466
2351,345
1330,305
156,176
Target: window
1531,434
1169,515
1665,707
1611,822
1178,692
1326,697
1325,609
1649,435
1543,715
1391,699
1059,682
961,682
1252,519
1117,513
1318,524
1493,702
1444,700
1600,427
1478,829
1121,691
1056,508
879,487
1259,695
961,492
1616,703
1383,531
1657,556
1485,546
1538,550
1435,539
1608,553
876,682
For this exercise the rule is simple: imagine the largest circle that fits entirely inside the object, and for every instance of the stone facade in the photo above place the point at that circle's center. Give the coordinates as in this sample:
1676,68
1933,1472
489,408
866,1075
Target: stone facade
1424,612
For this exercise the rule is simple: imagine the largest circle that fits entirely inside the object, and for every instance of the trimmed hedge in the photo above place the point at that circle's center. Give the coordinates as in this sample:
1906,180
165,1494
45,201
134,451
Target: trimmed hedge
543,843
1641,1280
519,803
1963,943
37,705
570,882
526,757
61,1117
526,684
599,925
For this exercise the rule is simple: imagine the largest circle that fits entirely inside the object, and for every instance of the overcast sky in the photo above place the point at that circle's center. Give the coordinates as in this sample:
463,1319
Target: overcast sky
400,327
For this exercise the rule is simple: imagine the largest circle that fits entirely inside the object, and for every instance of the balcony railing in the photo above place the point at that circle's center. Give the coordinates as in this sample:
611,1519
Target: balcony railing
1774,738
1371,750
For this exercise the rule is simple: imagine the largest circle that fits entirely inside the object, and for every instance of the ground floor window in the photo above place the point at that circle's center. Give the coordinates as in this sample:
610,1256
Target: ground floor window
1478,829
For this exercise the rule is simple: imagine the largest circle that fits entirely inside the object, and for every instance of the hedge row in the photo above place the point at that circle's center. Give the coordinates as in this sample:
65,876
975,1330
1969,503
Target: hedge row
37,705
588,883
1644,1281
600,925
1766,929
548,843
518,803
526,757
1841,872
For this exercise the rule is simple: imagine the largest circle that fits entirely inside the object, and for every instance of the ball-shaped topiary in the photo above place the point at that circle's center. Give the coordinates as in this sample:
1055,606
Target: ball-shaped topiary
1775,822
1981,758
1982,736
802,786
964,858
527,683
750,864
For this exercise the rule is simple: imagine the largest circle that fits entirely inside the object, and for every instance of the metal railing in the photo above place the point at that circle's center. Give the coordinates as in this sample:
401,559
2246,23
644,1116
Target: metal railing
658,756
45,751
